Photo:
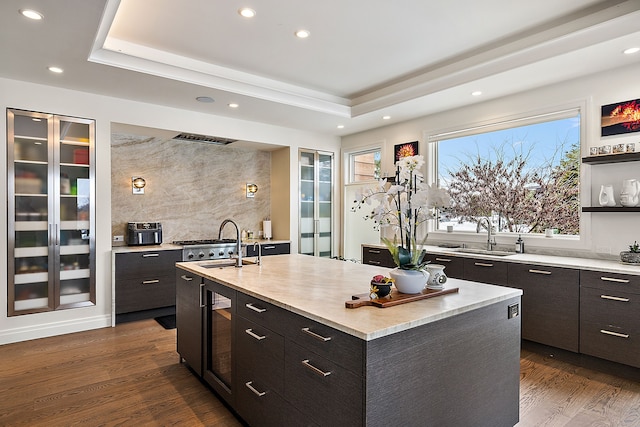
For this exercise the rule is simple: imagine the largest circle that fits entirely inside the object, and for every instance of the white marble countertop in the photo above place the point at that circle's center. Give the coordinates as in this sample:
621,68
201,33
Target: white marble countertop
548,260
317,288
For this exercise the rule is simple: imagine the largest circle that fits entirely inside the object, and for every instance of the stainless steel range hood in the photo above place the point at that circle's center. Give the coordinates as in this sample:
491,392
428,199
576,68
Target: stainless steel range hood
194,137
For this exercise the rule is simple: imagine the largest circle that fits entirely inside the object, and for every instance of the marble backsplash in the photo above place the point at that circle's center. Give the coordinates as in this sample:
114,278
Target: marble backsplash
191,187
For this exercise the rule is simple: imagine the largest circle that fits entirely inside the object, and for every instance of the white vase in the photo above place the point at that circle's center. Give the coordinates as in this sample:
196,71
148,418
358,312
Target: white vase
409,281
437,278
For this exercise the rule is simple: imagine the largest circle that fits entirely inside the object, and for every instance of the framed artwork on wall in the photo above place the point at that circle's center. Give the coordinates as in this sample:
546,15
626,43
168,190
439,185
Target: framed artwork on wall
620,118
405,149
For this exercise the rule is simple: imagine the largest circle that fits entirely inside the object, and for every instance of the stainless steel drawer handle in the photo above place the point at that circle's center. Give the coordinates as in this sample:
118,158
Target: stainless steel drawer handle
615,334
250,306
443,259
150,255
314,369
613,279
186,278
150,282
374,251
252,388
482,264
269,247
614,298
539,271
200,297
373,262
254,335
316,336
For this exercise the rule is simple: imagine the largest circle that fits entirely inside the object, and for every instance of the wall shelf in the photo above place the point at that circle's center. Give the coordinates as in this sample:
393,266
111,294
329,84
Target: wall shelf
612,158
610,209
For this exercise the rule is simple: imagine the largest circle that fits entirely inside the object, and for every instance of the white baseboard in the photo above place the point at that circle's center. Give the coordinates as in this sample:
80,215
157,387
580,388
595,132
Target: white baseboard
51,329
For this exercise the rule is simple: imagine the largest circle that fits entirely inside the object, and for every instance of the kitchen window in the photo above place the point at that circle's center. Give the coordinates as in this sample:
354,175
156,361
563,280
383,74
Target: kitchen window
522,174
364,165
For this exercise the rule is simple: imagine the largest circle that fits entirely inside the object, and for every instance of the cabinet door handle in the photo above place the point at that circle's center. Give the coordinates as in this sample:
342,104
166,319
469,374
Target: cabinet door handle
269,247
256,392
483,264
254,335
250,306
539,271
615,334
150,282
443,259
186,278
314,369
201,292
613,279
316,336
150,255
374,251
373,262
614,298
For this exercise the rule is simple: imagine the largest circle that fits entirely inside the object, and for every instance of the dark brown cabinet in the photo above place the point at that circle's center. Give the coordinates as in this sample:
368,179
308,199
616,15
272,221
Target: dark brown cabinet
454,266
269,249
485,271
145,280
374,255
189,305
550,304
609,322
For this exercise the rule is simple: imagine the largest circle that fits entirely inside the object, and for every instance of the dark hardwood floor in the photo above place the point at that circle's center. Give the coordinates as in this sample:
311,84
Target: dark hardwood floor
130,376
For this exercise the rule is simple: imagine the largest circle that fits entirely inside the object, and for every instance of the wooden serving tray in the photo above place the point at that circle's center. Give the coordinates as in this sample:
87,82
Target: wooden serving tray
395,298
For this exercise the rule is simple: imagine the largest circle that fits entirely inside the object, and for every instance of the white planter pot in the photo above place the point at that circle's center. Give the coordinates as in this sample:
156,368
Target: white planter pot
409,281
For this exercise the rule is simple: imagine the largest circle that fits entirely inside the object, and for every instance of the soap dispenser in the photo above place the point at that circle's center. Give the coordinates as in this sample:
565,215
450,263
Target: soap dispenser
519,245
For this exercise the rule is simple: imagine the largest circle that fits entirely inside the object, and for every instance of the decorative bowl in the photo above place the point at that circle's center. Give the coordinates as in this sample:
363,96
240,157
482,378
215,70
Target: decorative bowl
379,290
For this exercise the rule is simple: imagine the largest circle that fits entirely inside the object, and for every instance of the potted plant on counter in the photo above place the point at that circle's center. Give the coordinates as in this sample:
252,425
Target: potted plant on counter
404,205
632,256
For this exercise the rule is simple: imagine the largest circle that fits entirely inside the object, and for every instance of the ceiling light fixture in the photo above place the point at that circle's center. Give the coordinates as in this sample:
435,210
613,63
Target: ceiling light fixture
247,12
31,14
205,99
233,105
302,34
56,70
631,50
340,126
476,93
386,117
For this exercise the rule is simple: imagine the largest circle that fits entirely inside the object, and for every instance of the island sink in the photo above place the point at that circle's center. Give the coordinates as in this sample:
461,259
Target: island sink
483,252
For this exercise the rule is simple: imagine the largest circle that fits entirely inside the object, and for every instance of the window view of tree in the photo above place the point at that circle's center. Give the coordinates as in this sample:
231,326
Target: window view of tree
525,179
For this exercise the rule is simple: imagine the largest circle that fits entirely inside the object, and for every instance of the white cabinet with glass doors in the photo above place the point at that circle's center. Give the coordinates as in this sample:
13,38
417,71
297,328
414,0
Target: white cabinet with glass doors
50,201
316,203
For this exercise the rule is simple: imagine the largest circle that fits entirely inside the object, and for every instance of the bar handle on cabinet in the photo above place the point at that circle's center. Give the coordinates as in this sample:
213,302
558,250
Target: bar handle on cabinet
50,234
483,264
201,289
269,247
256,392
316,224
150,282
57,236
613,279
614,298
316,336
254,335
539,271
615,334
373,262
250,306
150,255
374,251
443,259
186,278
314,369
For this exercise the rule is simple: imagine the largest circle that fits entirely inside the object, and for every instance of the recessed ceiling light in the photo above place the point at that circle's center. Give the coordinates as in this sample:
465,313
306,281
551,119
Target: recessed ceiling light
631,50
31,14
233,105
302,34
476,93
247,12
386,117
56,70
340,126
206,99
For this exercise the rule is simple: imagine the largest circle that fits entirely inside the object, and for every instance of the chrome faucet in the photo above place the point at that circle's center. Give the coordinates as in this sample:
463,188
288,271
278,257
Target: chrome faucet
259,252
490,239
238,241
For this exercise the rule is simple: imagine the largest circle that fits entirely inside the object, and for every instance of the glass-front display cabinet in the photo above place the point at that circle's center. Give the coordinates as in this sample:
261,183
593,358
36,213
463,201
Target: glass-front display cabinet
316,203
51,220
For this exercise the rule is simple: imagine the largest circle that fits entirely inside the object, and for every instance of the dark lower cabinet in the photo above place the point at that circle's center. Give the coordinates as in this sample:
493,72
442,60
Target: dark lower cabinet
269,249
378,256
485,271
189,304
454,266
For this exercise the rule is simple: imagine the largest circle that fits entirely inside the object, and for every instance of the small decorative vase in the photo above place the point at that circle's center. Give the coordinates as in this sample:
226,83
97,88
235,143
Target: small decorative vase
409,281
437,278
379,290
629,257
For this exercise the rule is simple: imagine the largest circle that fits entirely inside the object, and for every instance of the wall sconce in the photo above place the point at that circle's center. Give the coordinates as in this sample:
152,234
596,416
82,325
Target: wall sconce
137,184
252,189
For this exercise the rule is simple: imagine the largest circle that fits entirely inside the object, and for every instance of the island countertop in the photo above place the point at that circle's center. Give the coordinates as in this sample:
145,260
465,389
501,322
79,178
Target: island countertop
317,288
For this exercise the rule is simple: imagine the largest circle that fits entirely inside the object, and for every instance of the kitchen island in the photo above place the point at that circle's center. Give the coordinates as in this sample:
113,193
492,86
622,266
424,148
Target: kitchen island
278,344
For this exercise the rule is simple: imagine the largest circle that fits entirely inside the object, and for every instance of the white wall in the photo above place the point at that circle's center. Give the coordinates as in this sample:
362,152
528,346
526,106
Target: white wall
106,110
602,235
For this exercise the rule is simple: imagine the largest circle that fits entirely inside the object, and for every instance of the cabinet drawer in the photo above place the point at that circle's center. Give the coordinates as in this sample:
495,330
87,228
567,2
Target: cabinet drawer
145,293
485,271
260,347
343,349
137,264
612,308
454,266
610,342
377,256
611,282
261,312
322,390
270,249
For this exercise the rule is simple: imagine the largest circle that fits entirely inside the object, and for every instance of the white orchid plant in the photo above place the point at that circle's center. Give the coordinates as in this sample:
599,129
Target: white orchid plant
404,205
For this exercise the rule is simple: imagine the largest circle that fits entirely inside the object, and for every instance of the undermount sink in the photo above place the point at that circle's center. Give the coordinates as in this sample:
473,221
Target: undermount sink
483,252
221,263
